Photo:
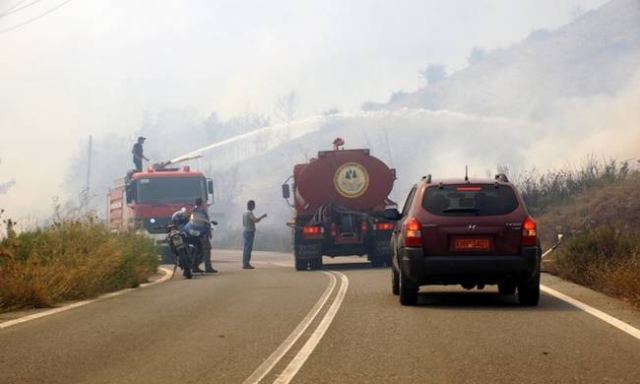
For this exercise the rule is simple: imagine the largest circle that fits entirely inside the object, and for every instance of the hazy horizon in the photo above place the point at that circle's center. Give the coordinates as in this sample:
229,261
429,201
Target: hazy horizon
102,68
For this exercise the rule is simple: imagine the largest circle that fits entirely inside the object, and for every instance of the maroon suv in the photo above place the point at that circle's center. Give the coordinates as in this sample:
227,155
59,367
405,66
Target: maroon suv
468,232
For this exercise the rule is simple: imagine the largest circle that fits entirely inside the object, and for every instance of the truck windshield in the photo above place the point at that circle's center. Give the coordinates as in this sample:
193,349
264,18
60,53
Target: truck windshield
470,200
171,190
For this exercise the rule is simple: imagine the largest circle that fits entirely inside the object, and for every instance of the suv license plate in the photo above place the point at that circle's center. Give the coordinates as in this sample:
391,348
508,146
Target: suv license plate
471,244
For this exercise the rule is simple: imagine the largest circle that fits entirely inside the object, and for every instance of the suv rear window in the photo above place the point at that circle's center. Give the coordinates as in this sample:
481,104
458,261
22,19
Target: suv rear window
470,200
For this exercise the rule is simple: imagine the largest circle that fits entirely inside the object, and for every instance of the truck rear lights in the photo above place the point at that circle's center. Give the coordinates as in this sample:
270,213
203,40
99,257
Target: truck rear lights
384,226
312,232
412,233
364,227
529,233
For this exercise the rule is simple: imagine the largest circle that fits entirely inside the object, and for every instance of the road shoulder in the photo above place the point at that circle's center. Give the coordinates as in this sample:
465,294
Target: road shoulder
11,318
610,305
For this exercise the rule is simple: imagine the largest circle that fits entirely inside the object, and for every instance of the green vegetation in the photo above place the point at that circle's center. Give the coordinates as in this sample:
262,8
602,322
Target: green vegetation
597,207
70,260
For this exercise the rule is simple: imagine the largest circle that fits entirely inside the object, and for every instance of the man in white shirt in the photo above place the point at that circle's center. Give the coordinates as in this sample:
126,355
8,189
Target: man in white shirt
249,221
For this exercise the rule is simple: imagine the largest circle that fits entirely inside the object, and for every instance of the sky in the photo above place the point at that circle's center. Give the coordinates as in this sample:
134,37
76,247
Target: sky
95,66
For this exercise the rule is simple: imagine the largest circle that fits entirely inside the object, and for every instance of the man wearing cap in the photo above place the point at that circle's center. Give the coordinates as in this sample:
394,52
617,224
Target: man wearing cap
138,153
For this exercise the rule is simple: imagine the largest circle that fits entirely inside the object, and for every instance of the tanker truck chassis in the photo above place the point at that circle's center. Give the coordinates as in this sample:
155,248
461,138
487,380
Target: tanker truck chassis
339,199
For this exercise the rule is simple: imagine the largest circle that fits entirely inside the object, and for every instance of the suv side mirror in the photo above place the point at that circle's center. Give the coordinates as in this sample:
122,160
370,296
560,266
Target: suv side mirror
286,191
392,214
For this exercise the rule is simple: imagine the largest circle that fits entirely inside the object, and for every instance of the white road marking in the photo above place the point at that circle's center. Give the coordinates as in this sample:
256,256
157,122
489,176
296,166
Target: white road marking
53,311
621,325
282,350
301,357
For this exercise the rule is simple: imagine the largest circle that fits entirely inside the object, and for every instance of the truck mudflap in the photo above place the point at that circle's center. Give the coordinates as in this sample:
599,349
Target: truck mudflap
308,256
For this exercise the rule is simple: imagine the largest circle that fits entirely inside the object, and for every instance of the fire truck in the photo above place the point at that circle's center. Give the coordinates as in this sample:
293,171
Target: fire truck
144,201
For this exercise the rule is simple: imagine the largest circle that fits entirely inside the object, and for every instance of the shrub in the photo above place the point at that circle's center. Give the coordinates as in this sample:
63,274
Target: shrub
71,260
606,259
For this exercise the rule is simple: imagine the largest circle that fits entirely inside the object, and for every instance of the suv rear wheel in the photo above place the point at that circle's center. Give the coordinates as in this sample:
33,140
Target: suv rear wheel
408,291
529,291
395,281
506,289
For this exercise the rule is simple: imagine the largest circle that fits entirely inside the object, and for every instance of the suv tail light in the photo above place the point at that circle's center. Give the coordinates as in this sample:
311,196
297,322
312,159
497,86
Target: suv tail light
529,233
412,233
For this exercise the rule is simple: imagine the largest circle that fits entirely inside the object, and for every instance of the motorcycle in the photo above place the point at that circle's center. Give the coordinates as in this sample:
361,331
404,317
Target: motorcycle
195,239
183,251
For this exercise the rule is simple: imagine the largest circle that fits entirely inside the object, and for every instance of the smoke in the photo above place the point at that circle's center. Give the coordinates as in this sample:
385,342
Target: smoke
605,125
417,142
6,186
253,163
545,103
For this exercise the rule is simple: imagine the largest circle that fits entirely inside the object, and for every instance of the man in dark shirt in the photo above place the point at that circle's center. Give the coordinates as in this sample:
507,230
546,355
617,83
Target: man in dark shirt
138,153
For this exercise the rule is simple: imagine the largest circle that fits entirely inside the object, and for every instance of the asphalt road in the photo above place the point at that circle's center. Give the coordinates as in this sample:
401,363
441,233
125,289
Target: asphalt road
338,326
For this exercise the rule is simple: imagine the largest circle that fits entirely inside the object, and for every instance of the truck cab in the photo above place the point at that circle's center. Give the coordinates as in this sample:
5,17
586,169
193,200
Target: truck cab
144,201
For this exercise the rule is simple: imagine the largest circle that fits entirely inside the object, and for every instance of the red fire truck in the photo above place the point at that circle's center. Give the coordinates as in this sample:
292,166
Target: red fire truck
144,201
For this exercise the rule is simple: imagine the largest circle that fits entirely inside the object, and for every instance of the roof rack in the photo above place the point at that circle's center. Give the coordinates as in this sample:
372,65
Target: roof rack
502,177
427,178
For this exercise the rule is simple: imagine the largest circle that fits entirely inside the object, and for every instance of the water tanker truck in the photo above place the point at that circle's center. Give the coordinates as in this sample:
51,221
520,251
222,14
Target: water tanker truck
339,199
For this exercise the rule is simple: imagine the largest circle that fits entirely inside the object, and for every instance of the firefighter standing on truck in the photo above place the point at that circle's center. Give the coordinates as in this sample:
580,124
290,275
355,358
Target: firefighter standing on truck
138,153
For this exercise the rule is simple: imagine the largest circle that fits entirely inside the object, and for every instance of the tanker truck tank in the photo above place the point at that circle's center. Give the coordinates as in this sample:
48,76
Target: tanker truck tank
338,199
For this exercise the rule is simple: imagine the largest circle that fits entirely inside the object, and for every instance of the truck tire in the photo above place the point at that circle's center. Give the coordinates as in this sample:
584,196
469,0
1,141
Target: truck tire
301,265
529,291
316,263
380,254
395,281
408,291
185,264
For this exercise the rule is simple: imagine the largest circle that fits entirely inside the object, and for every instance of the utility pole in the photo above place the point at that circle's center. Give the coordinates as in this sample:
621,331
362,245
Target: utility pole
87,187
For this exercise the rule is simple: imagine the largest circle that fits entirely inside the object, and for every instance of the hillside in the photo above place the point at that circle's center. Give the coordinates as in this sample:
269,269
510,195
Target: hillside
596,54
602,246
487,115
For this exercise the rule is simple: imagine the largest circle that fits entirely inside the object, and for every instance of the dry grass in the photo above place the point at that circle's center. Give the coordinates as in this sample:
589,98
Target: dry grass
71,260
606,259
602,247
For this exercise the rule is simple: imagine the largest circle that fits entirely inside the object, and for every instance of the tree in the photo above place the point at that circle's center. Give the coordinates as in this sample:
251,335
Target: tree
331,112
6,185
286,105
477,55
434,73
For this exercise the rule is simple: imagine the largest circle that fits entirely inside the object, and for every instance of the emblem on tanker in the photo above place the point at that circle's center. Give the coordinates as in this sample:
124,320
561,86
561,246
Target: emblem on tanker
351,180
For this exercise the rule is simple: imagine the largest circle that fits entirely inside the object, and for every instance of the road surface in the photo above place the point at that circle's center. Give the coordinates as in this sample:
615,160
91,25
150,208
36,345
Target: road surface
338,326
